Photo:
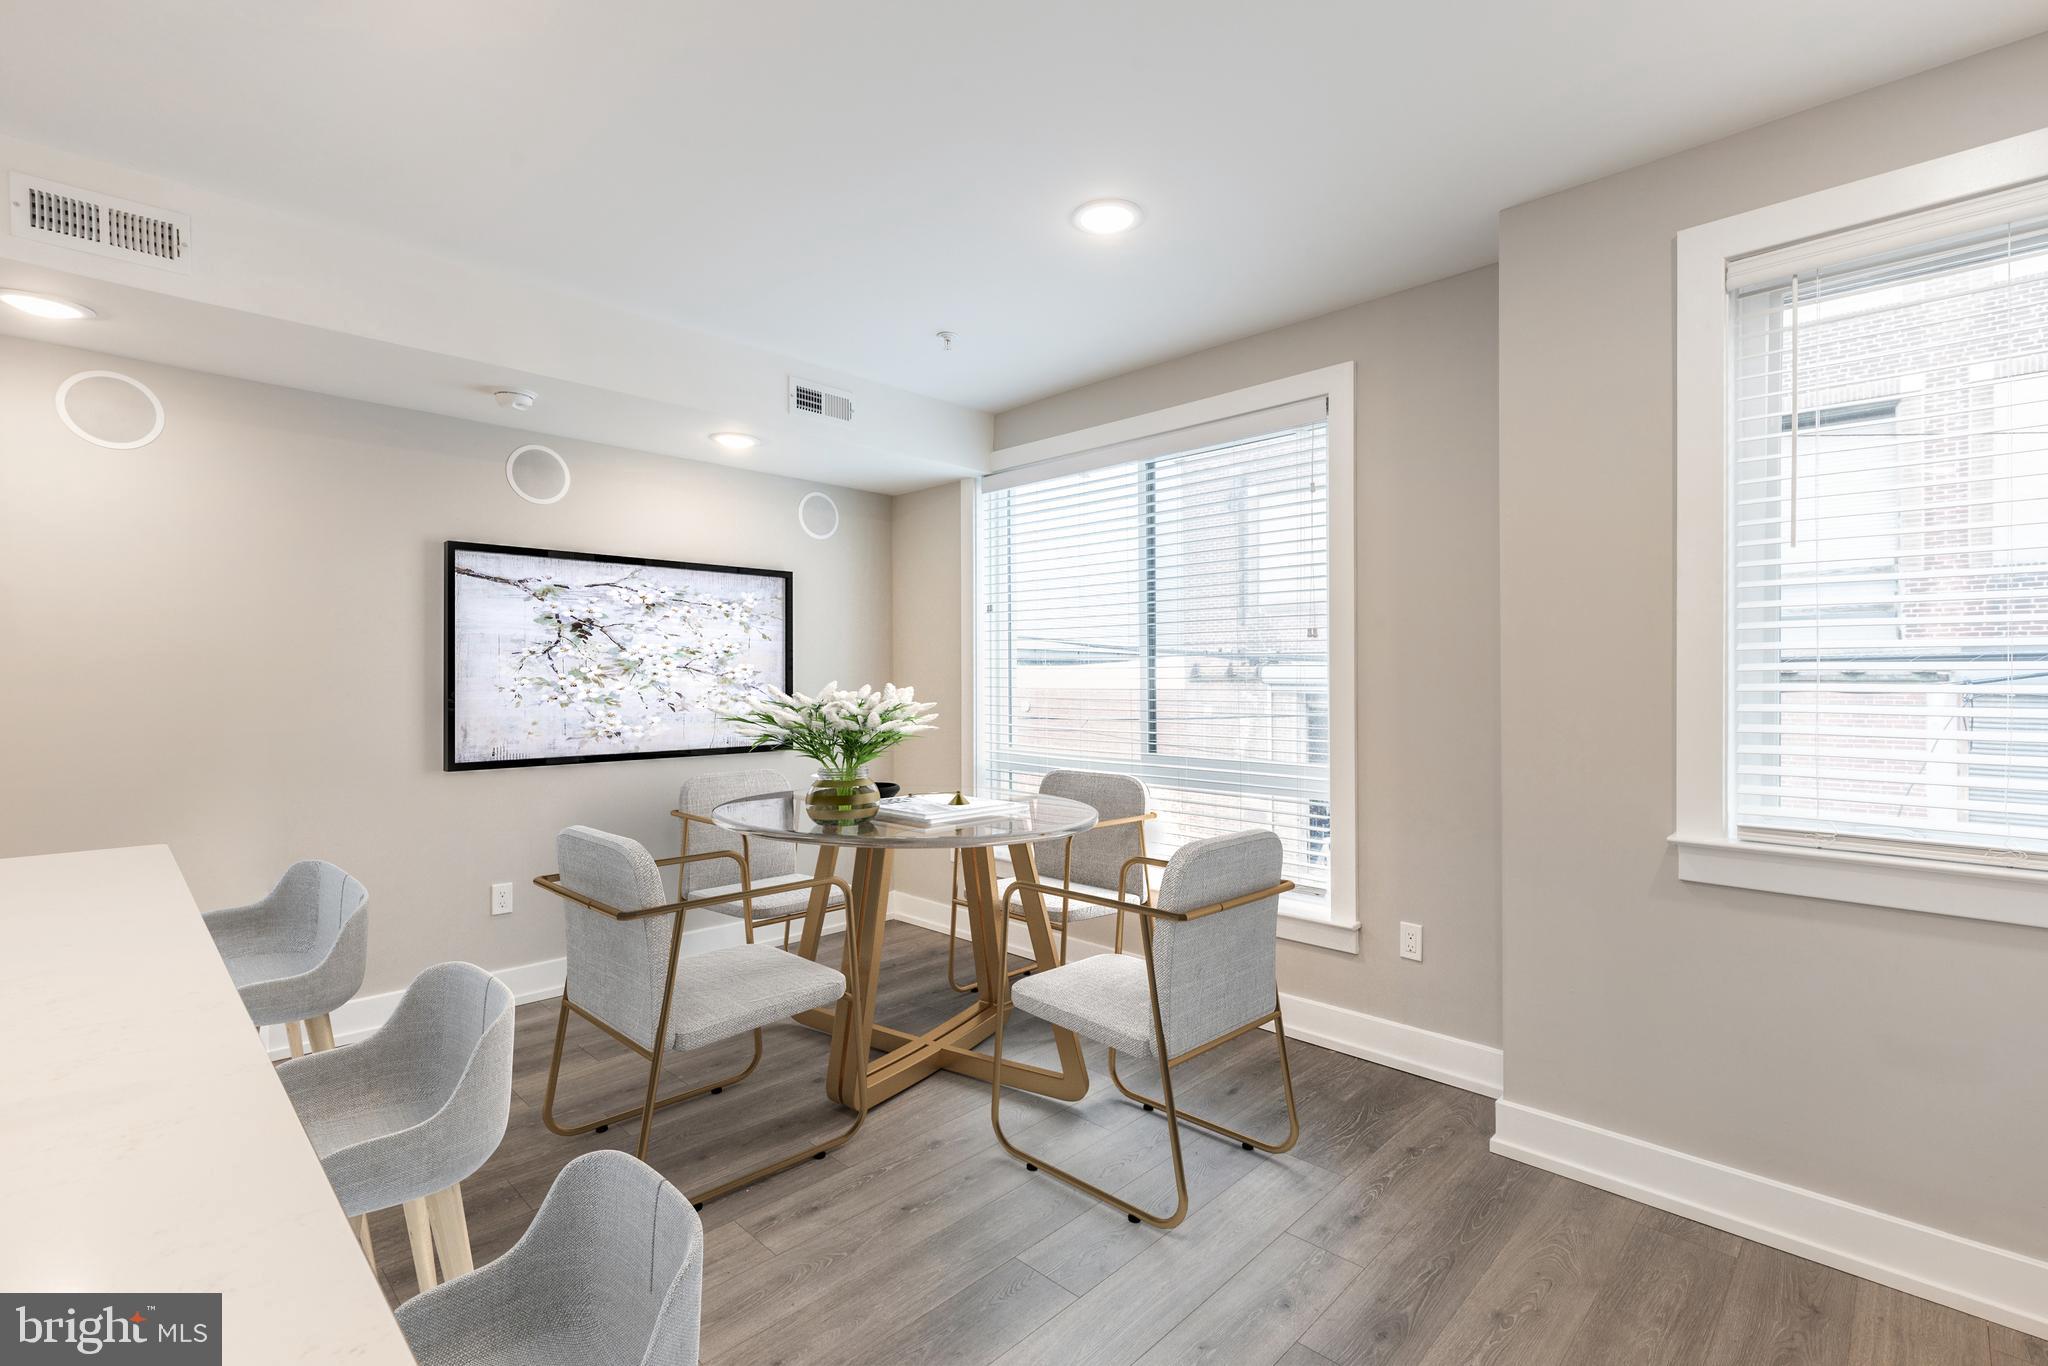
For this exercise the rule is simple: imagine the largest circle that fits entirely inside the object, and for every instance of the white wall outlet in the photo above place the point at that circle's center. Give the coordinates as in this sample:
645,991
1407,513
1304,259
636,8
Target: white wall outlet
1411,940
501,898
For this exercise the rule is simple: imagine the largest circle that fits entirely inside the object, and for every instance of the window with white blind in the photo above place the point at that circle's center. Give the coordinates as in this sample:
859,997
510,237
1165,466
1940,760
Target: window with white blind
1887,546
1163,610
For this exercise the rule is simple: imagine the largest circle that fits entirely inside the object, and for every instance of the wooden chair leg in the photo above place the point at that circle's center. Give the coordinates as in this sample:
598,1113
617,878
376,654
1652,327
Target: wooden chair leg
451,1231
295,1038
361,1224
320,1033
416,1228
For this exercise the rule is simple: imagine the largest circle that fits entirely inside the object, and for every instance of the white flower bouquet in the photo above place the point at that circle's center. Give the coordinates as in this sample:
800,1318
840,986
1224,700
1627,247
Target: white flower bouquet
843,730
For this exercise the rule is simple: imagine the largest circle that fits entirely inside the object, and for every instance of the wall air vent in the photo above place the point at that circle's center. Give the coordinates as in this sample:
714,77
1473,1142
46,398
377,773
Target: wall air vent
86,220
815,400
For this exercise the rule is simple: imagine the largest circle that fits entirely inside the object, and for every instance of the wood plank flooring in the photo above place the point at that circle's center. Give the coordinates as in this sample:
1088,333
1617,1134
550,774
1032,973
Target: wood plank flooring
1389,1235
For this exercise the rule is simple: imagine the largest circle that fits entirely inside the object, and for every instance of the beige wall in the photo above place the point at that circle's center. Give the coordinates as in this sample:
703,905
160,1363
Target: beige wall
1892,1059
1427,630
230,642
929,654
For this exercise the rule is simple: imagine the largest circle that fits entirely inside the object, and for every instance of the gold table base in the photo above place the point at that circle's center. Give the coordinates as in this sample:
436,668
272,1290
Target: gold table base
910,1058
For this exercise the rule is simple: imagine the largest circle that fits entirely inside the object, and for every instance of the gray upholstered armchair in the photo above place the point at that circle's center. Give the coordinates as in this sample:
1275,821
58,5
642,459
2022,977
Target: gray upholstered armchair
298,954
408,1114
1207,976
1090,861
625,937
609,1273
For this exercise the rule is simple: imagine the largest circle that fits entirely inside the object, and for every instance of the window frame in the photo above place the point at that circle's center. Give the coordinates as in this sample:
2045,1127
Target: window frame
1708,851
1339,928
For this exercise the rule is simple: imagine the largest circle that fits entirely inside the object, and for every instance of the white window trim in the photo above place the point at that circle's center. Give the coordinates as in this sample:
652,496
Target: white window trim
1339,930
1707,848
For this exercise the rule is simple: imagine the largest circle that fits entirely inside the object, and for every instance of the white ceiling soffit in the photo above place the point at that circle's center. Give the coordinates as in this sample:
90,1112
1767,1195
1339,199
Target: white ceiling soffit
841,181
286,300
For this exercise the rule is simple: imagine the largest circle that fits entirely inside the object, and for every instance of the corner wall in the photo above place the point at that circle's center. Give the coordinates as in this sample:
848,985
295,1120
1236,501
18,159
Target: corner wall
1880,1057
230,642
929,653
1427,631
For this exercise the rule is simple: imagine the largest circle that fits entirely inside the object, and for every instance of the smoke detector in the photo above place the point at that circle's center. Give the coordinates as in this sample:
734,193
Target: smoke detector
518,400
807,399
86,220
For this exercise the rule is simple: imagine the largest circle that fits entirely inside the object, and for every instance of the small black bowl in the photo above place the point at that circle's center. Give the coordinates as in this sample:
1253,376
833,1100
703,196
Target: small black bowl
888,790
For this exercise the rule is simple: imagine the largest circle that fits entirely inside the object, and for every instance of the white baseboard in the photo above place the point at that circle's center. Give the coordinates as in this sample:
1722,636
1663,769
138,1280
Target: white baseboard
1469,1066
1440,1057
1990,1282
529,982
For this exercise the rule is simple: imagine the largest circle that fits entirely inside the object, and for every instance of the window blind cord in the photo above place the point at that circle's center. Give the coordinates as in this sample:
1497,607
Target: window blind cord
1793,461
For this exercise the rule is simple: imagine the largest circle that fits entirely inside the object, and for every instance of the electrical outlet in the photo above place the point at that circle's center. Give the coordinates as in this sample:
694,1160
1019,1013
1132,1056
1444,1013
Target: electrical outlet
1411,940
501,898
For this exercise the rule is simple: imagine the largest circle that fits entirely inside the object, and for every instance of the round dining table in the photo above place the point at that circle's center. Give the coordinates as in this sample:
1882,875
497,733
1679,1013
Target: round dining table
906,1058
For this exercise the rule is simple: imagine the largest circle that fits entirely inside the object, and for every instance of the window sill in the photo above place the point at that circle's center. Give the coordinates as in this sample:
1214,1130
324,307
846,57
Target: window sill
2010,896
1314,930
1296,926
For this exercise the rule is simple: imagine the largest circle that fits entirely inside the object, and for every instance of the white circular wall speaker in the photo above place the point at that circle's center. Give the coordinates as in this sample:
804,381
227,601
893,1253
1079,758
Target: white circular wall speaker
538,474
818,515
110,409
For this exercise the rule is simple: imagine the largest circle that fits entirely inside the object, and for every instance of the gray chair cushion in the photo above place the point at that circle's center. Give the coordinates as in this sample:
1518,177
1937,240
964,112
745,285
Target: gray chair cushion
705,794
616,967
1103,998
301,950
728,992
1215,973
1099,855
609,1273
1079,911
419,1105
771,903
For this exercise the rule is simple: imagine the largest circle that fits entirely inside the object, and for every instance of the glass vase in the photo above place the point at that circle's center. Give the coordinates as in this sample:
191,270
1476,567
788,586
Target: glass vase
843,798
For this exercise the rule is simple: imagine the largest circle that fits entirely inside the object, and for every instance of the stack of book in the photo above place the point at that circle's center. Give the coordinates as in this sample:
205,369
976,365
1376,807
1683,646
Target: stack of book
939,810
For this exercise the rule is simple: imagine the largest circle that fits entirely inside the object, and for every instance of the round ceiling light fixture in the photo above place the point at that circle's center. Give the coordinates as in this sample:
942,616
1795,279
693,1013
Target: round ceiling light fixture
736,441
1107,217
44,305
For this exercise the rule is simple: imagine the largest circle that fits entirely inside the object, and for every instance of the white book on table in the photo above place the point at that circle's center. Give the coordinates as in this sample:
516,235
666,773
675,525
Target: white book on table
938,810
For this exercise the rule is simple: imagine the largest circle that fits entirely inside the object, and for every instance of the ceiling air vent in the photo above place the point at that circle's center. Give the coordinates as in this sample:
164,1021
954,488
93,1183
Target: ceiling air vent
86,220
816,400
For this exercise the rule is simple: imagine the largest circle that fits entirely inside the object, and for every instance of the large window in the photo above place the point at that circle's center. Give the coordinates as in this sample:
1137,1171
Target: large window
1887,549
1166,614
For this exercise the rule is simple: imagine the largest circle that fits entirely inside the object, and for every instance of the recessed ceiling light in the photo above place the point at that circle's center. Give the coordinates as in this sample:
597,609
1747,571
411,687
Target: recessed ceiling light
736,441
43,305
1105,217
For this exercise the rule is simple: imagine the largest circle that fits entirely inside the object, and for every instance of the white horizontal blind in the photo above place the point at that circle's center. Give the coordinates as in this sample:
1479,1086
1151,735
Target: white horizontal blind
1888,531
1168,617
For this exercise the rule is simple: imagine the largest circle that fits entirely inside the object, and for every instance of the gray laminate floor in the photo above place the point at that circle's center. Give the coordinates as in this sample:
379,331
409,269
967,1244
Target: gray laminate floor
1389,1235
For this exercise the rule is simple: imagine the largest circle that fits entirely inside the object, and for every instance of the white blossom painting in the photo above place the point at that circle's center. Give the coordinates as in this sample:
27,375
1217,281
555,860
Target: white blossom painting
558,657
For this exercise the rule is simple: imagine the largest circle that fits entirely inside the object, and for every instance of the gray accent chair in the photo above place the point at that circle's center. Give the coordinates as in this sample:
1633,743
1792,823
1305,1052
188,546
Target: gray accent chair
609,1273
766,890
1207,976
407,1115
1092,860
298,954
625,939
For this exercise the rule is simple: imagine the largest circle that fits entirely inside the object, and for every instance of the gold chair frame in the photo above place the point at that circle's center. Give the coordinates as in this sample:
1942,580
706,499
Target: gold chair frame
1066,891
679,909
1147,914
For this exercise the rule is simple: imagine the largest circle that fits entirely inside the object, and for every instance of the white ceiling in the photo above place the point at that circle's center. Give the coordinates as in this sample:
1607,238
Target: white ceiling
839,181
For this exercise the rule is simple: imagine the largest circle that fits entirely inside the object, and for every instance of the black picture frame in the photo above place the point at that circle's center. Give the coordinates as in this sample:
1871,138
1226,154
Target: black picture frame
448,720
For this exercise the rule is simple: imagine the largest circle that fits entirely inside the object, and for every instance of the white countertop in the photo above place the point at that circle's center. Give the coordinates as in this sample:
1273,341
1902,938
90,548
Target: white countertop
145,1144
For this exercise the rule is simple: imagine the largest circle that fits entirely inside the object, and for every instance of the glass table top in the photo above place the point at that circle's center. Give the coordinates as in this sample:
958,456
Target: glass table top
785,818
